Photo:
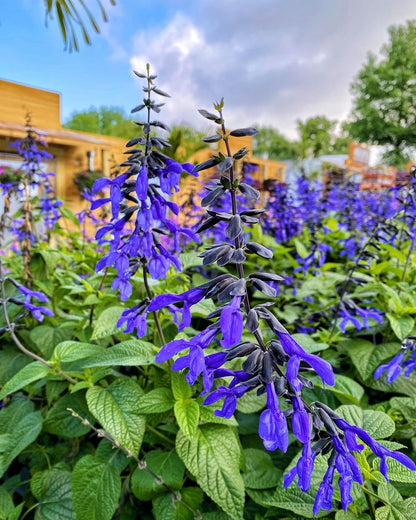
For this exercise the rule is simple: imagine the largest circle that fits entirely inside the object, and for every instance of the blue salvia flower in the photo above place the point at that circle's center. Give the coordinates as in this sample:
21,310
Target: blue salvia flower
142,213
278,366
405,361
36,310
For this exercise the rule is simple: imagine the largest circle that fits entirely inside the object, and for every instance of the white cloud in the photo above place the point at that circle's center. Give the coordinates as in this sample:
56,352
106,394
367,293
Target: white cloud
273,61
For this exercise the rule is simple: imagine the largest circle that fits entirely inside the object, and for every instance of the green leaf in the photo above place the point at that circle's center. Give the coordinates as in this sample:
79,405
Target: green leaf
96,488
396,471
115,408
260,472
366,356
52,488
46,338
69,351
166,508
166,465
213,458
132,352
346,389
23,429
377,424
106,324
388,493
158,400
308,344
190,260
292,498
29,374
405,510
107,453
180,387
6,504
60,421
250,402
187,415
401,326
349,515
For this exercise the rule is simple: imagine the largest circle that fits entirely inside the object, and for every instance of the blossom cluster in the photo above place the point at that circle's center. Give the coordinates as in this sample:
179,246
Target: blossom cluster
278,367
140,202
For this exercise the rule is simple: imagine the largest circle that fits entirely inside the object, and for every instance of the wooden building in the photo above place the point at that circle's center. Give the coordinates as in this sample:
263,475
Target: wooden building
72,151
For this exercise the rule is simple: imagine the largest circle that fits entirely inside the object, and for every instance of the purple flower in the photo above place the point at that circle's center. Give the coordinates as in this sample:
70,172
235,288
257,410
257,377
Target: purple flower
301,423
272,424
325,493
231,323
230,396
188,298
393,368
321,367
135,319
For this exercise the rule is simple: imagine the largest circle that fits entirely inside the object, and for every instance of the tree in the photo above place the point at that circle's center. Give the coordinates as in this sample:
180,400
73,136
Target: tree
185,141
104,120
71,17
316,136
271,142
384,104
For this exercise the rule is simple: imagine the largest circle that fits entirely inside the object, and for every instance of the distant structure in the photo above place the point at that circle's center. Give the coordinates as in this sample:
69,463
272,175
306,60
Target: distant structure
72,151
337,169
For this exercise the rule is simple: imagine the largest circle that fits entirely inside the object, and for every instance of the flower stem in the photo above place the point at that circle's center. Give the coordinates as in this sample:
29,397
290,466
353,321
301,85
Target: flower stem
150,296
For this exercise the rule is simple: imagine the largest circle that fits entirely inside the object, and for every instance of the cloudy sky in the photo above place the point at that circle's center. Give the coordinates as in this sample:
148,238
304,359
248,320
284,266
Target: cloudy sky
272,60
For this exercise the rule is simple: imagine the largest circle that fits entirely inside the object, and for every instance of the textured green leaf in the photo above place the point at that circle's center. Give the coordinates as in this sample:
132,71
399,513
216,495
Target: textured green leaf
69,351
180,387
52,488
96,487
349,515
388,493
260,472
6,504
401,326
366,356
22,433
167,465
346,389
132,352
378,424
107,453
106,324
12,361
165,508
405,510
60,421
250,402
115,408
396,471
308,344
292,498
29,374
187,415
46,338
213,458
158,400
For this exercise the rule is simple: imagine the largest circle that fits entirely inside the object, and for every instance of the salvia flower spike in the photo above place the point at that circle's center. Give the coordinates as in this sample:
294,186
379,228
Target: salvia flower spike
278,366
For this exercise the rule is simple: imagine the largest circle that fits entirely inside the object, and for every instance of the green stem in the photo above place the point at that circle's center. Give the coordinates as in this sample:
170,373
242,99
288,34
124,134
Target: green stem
370,503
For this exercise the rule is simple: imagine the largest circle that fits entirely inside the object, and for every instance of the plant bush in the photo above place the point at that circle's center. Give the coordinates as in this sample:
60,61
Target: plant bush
92,425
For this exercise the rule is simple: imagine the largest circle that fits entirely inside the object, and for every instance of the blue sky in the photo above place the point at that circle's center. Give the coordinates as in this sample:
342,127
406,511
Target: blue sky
273,60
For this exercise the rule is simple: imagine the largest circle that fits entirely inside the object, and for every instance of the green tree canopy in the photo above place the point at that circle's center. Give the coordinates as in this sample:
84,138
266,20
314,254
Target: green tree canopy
317,136
104,120
384,105
271,142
